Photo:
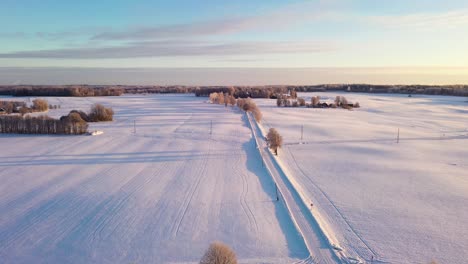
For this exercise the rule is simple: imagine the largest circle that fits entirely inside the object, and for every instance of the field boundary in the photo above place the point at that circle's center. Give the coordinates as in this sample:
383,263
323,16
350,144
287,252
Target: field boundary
304,221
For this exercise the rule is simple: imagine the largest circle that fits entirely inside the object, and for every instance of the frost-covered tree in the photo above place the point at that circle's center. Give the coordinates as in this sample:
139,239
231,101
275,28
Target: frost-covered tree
101,113
315,101
257,115
301,101
40,105
219,253
279,102
275,140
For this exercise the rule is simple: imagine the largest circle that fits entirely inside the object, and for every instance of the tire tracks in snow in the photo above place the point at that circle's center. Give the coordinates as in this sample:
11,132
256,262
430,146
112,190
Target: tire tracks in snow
187,202
243,198
333,205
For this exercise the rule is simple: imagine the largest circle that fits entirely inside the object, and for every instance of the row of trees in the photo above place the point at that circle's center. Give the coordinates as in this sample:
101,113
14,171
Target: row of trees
274,92
243,91
274,139
56,90
247,104
11,106
271,91
42,125
286,102
75,123
223,98
98,113
340,101
39,105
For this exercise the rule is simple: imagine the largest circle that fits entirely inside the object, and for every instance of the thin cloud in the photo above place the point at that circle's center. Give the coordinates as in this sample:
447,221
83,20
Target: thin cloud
164,49
448,19
284,18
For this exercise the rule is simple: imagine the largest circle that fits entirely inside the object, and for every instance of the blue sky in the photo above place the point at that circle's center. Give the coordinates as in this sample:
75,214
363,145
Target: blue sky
208,33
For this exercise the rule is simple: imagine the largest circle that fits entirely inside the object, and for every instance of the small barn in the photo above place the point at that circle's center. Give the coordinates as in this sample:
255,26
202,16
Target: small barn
2,111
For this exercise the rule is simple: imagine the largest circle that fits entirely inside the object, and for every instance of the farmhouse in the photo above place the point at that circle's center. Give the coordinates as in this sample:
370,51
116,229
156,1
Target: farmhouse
2,111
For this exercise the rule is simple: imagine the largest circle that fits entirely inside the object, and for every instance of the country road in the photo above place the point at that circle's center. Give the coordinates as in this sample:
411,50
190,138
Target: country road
320,249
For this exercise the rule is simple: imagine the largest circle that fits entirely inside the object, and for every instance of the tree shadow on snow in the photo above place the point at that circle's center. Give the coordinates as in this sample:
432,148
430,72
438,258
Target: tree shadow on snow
296,245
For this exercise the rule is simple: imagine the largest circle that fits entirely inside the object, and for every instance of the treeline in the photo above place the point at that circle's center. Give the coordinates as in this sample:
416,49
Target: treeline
274,92
75,123
246,104
9,107
98,113
143,89
267,91
243,91
66,90
340,101
42,125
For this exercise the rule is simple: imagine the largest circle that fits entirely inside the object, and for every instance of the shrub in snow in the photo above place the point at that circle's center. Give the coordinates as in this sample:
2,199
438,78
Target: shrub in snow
279,102
301,101
219,253
100,113
40,105
257,115
315,101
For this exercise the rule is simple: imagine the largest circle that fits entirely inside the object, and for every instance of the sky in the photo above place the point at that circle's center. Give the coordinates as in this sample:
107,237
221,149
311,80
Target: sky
416,35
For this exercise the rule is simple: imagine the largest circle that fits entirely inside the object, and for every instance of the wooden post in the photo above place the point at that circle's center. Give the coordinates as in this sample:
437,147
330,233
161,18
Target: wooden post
398,136
261,156
134,126
302,132
276,188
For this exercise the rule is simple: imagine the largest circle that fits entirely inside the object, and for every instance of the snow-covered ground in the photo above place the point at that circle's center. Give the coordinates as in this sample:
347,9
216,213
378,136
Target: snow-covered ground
403,202
159,195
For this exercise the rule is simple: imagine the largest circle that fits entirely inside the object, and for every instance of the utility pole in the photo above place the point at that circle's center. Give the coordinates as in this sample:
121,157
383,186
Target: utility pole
261,156
276,188
398,136
302,132
134,126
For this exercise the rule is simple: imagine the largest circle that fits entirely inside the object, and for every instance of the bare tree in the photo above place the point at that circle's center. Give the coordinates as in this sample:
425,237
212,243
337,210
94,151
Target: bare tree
40,105
220,98
232,100
301,101
275,140
279,102
219,253
100,113
315,101
257,115
213,97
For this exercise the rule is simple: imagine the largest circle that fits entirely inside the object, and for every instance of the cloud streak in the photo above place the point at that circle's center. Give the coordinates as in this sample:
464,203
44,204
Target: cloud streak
448,19
170,48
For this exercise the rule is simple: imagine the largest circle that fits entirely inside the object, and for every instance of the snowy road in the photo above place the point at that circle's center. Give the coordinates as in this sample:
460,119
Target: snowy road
316,242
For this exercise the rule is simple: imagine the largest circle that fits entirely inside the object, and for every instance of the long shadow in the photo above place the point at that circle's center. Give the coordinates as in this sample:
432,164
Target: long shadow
111,160
378,140
296,245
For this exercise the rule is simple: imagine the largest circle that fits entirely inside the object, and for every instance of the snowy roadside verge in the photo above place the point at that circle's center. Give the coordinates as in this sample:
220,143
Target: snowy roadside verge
344,254
318,244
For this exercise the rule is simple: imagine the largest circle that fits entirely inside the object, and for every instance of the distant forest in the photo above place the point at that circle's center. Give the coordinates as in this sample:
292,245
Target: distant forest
269,91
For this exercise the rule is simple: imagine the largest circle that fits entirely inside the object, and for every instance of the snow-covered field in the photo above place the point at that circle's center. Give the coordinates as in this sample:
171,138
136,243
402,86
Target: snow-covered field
159,195
403,202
